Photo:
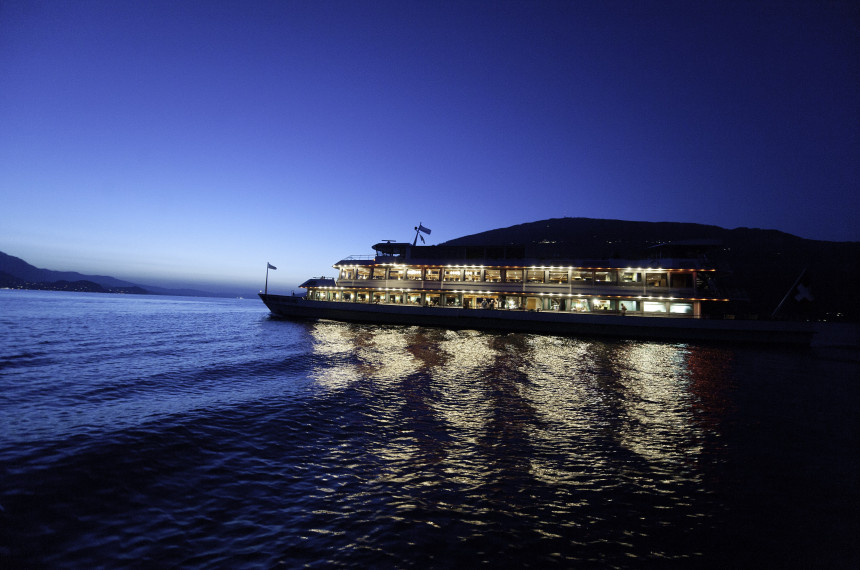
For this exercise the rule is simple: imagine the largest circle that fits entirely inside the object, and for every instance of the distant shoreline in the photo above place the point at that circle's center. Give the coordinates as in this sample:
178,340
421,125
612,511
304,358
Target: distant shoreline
75,286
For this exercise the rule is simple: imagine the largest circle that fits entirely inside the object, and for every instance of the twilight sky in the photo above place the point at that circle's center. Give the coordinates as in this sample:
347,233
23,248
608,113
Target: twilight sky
190,142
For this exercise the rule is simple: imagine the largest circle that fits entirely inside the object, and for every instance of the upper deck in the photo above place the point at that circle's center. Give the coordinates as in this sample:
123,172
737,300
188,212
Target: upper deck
510,270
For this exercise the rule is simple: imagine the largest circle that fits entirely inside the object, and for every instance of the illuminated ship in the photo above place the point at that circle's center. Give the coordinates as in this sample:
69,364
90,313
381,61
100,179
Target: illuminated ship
506,288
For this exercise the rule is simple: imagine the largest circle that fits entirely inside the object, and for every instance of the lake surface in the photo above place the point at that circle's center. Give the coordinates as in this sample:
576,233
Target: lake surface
152,431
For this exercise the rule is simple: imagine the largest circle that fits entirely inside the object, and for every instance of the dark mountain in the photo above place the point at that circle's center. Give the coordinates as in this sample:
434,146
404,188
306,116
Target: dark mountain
22,270
18,274
761,265
81,286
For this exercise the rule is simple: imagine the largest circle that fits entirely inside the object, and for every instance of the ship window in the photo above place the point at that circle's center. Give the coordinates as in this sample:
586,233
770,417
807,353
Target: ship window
514,275
413,274
432,300
414,298
378,297
604,276
363,273
361,297
600,304
396,273
628,305
492,275
453,274
558,276
347,296
513,302
654,307
347,273
473,275
681,280
582,275
656,279
631,277
535,276
432,275
580,306
395,298
452,300
681,308
379,273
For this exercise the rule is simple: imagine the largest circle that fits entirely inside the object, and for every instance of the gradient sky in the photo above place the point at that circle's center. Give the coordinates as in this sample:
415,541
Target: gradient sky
190,142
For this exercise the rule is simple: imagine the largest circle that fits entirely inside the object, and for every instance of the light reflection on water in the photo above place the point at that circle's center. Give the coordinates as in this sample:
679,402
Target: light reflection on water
164,432
642,395
527,424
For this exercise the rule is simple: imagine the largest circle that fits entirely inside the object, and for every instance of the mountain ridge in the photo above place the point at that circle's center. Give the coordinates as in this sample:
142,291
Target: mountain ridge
764,263
17,273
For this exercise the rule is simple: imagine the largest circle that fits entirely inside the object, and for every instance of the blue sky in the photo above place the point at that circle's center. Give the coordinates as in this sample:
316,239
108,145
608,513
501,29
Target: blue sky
191,142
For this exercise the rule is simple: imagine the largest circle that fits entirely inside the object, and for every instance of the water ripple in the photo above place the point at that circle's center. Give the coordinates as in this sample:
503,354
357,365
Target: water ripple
166,433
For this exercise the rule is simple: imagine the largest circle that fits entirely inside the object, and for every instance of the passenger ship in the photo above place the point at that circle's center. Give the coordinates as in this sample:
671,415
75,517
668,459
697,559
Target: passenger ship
507,288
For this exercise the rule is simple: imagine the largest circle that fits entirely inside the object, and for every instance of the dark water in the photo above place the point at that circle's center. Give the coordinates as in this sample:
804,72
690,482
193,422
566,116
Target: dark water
177,432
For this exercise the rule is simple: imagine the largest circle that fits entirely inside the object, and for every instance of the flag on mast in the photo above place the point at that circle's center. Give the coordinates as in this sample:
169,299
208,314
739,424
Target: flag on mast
271,266
804,293
419,229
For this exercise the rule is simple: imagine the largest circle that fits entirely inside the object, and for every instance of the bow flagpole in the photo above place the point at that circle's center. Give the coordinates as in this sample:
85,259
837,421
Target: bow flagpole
268,266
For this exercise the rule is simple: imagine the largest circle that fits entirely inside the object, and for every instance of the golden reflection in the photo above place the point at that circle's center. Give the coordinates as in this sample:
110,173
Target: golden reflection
660,426
355,353
585,395
560,394
333,343
461,402
484,407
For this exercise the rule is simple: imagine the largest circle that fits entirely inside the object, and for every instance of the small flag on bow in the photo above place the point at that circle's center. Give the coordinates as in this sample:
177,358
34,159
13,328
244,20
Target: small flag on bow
271,266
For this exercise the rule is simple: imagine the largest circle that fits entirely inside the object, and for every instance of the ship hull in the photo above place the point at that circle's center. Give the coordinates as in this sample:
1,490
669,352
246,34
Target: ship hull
547,322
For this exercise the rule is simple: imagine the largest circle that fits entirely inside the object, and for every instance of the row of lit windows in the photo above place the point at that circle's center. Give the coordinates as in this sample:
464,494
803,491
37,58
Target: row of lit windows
560,277
506,302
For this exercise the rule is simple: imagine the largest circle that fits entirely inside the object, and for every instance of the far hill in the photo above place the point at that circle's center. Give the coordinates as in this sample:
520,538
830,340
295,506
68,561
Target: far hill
764,264
16,273
17,267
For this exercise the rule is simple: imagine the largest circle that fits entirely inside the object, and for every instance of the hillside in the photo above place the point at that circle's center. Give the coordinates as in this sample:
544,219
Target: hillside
17,267
15,273
760,264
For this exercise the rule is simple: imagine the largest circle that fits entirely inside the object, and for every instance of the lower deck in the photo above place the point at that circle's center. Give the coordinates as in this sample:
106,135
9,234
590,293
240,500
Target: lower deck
597,323
606,304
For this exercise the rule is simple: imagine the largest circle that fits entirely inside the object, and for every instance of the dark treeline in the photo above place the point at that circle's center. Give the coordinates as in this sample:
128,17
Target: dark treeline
11,282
